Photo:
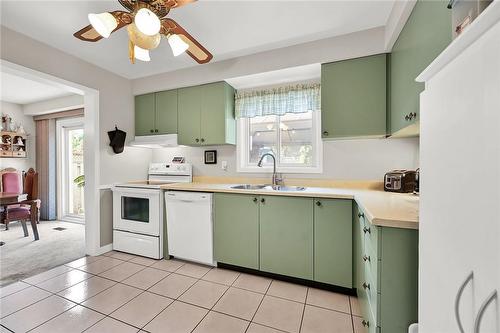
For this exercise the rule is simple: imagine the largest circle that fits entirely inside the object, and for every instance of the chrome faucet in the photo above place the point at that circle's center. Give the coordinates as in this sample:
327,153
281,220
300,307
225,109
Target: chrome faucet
276,180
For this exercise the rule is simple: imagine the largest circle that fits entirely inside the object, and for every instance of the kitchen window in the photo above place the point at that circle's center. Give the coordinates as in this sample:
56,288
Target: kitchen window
283,121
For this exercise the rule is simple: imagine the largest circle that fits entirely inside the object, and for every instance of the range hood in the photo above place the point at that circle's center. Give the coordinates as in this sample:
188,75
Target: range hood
155,141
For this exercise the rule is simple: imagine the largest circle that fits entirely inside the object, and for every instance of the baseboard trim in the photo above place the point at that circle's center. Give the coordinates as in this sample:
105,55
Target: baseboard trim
308,283
103,249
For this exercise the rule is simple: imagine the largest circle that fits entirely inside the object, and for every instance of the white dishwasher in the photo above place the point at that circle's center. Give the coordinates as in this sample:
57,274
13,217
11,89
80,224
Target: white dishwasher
189,226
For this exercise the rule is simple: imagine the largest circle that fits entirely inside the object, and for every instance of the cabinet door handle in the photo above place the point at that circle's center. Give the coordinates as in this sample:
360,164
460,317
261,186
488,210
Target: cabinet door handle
156,131
197,140
366,258
457,300
151,131
365,323
318,203
255,199
407,117
325,133
360,215
263,200
366,230
366,285
202,140
482,308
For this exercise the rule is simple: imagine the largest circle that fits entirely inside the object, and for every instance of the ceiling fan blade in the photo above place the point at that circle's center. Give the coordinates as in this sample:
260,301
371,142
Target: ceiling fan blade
197,51
89,34
179,3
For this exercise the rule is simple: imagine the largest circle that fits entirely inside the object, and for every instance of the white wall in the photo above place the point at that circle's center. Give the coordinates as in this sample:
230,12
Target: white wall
116,104
58,104
15,111
363,159
353,45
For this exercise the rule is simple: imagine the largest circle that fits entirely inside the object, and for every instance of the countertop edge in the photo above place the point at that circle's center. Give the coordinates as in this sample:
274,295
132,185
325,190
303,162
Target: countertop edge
376,221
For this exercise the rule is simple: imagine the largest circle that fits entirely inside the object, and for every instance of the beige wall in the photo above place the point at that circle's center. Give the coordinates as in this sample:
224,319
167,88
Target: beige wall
15,111
115,99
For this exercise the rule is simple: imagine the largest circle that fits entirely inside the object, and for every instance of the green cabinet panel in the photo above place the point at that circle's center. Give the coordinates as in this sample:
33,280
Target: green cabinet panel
426,33
236,229
353,98
333,242
145,114
166,112
399,279
286,236
391,302
189,112
206,115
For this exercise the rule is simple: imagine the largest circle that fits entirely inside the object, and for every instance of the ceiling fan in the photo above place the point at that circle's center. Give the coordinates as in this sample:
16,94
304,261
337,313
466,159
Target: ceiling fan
146,23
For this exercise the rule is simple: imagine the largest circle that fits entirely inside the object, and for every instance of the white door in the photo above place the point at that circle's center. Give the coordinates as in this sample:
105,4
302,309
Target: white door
137,210
70,169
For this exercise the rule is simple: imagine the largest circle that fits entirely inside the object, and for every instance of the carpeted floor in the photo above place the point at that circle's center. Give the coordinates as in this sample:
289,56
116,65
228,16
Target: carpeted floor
21,257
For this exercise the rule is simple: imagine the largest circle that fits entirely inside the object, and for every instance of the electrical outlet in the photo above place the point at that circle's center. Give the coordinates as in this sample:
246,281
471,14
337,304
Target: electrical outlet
224,165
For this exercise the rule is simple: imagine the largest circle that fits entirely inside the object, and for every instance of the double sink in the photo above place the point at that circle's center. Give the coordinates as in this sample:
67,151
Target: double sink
268,187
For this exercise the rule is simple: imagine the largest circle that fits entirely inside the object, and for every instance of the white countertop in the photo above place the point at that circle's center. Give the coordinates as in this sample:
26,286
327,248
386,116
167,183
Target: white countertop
397,210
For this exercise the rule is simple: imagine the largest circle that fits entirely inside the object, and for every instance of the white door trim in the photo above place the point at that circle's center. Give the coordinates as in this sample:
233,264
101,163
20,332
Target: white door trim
92,150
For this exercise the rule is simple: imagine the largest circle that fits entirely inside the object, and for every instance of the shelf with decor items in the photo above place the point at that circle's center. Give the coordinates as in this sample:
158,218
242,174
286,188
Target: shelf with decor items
12,144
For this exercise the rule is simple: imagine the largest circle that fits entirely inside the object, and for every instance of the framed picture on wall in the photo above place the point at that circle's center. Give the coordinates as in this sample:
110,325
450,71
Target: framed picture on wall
210,156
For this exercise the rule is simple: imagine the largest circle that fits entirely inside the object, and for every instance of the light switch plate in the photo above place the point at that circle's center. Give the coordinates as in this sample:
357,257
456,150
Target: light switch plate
224,165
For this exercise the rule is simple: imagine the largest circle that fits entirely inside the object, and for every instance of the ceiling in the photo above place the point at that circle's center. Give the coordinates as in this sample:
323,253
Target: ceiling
229,28
18,90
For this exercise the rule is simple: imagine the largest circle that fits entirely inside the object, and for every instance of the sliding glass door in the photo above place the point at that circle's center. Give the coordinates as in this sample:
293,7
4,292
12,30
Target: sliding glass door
71,180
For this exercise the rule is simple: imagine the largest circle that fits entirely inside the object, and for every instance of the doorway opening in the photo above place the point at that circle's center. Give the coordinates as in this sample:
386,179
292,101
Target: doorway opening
70,166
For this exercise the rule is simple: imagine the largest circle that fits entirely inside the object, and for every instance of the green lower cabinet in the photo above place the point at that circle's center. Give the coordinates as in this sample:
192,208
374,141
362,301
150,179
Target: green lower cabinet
333,242
386,274
236,229
286,236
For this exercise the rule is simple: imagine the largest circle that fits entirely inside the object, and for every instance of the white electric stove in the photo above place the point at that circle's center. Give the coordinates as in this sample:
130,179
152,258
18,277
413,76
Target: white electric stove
138,210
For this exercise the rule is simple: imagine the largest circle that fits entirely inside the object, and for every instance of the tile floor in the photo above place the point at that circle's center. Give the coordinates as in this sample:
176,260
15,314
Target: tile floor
119,292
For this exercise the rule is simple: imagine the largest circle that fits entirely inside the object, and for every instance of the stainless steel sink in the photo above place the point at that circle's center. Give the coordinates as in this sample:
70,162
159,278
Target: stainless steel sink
248,187
287,188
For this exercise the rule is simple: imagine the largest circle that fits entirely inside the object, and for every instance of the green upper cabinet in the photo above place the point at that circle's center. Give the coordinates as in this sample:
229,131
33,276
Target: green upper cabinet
286,236
189,110
353,98
206,115
145,114
236,229
333,242
156,113
426,33
166,112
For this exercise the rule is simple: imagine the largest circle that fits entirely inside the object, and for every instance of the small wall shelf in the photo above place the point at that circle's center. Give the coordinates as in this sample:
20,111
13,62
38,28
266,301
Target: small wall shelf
12,144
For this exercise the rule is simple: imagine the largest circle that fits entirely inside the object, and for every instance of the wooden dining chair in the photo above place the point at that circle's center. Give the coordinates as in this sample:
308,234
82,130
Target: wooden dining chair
21,212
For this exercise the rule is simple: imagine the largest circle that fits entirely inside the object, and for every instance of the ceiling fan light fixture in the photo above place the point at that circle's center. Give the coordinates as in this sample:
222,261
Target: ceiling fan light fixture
141,54
103,23
147,22
177,44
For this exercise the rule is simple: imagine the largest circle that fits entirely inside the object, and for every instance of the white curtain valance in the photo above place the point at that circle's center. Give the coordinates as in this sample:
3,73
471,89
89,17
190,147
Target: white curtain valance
298,98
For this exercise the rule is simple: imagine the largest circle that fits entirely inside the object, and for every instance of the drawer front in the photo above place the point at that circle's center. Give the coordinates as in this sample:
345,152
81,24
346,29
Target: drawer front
370,324
371,234
370,288
143,245
371,265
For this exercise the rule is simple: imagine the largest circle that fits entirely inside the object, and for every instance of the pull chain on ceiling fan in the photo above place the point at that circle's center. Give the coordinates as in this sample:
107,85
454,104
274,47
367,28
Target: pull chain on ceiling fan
146,23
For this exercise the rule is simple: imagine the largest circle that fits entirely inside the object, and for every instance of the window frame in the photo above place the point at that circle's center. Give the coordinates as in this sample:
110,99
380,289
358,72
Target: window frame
243,150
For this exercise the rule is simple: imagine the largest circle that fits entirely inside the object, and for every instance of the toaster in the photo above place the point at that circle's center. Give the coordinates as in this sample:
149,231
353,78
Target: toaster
401,181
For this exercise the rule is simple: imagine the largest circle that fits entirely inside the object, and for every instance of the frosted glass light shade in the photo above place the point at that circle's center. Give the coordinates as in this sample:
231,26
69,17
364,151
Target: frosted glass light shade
103,23
141,54
177,44
147,22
